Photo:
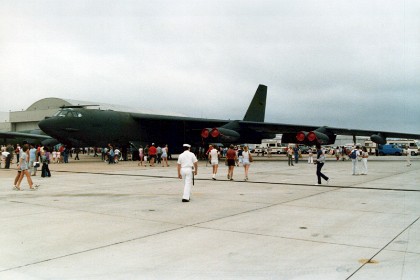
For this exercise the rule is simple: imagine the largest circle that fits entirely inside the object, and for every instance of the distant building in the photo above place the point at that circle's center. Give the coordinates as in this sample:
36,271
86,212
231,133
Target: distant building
4,121
29,118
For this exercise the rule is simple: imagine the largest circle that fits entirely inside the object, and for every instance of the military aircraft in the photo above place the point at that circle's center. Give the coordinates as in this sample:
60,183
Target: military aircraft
82,126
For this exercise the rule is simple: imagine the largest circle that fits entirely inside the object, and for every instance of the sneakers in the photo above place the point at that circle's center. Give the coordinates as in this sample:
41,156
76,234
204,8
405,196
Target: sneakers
34,187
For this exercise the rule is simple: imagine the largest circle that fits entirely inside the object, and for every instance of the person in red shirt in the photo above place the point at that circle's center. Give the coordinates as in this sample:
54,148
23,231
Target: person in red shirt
152,154
231,161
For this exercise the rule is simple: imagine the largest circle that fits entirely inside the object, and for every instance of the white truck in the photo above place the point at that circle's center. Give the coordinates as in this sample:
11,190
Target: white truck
270,145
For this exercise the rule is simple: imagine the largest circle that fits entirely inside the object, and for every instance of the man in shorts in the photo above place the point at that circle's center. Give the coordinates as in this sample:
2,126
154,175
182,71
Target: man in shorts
231,161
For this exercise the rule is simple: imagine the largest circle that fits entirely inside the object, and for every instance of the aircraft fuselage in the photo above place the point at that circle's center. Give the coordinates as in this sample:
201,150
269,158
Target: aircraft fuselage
92,127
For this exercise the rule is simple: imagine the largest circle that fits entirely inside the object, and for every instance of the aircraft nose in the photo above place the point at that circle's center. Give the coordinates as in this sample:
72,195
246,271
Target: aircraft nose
44,124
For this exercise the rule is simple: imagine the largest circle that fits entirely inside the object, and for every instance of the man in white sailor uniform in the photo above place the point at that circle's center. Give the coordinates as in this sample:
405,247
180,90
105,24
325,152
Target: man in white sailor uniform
186,162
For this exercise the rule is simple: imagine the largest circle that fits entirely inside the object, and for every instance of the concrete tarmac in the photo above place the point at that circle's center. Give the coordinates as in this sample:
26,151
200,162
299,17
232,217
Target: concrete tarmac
92,220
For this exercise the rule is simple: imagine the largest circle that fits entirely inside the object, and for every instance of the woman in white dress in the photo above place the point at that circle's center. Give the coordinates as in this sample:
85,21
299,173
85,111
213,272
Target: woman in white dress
365,156
246,161
141,156
164,156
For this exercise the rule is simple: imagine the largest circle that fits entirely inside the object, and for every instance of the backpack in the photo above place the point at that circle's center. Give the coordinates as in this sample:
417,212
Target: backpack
353,154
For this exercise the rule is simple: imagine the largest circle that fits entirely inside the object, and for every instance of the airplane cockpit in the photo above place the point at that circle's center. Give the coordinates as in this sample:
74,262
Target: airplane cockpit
68,113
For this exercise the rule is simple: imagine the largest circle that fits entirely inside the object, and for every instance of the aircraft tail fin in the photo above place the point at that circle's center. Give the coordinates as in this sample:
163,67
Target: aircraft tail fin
256,110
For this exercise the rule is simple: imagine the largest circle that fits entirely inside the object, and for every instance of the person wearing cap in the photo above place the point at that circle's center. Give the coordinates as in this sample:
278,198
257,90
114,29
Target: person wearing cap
187,164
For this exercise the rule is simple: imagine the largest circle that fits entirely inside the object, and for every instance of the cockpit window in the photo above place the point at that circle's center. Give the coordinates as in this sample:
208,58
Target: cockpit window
68,112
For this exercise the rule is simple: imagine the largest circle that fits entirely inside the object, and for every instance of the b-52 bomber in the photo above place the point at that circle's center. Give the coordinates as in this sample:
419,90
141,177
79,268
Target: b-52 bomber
82,126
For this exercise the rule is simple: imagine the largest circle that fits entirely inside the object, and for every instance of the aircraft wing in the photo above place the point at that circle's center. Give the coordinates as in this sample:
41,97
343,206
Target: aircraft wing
290,128
291,132
359,132
240,131
20,137
275,128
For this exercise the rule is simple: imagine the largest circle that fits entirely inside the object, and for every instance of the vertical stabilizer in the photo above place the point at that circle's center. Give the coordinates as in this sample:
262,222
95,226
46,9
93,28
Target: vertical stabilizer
256,110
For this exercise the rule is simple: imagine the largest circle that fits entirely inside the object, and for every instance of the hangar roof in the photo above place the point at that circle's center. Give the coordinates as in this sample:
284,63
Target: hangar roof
55,103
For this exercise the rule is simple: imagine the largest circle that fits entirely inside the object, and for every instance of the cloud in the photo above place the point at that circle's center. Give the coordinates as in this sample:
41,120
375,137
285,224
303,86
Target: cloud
353,64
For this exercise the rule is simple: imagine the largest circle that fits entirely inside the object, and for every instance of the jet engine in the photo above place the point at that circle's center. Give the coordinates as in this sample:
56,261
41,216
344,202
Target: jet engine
301,136
319,137
378,139
222,134
205,132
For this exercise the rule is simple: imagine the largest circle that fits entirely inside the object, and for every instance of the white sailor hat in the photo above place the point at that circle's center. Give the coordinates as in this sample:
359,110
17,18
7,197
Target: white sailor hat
187,145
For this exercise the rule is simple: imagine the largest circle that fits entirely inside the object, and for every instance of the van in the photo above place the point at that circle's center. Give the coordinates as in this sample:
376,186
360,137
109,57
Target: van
409,146
390,149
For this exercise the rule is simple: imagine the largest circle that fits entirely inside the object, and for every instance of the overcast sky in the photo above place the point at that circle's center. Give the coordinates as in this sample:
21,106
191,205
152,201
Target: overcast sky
353,64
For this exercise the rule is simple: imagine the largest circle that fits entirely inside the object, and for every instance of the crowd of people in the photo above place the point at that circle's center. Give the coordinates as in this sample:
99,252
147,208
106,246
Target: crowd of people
151,155
355,154
30,157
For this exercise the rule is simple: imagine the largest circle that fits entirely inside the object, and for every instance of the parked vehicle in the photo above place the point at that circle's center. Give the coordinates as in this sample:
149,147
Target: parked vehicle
410,146
390,149
272,145
407,145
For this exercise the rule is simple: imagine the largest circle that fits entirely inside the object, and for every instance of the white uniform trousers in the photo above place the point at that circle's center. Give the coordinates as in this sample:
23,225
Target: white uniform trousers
354,166
408,158
364,166
187,174
311,159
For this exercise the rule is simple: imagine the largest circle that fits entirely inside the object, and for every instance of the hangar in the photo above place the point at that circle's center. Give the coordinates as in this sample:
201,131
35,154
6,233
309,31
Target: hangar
28,119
